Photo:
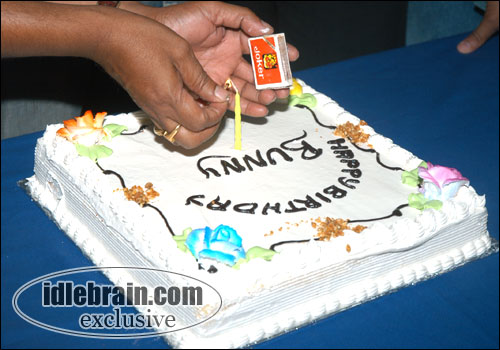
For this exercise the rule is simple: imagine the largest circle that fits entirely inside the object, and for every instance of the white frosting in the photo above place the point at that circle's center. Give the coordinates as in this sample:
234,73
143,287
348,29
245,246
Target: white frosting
305,281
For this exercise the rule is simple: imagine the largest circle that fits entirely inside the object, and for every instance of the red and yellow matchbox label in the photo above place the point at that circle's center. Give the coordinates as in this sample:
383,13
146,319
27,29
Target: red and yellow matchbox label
270,62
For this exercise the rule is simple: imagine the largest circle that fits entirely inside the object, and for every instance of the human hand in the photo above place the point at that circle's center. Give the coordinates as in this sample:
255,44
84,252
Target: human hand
162,75
218,34
487,27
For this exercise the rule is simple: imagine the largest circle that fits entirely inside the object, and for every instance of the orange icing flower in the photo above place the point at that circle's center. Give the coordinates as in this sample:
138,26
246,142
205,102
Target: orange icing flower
85,130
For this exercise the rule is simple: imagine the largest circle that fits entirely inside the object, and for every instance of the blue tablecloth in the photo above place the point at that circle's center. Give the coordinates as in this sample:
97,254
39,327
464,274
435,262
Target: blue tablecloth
428,98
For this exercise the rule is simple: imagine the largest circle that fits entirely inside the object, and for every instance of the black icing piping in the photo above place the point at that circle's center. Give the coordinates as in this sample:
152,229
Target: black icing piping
378,158
122,183
333,127
111,172
141,129
395,212
359,148
162,216
272,247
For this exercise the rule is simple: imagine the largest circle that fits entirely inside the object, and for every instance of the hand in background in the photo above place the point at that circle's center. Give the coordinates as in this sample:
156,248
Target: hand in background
218,33
487,27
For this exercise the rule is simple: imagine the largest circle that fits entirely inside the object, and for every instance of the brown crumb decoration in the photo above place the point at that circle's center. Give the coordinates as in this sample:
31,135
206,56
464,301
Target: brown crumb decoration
270,233
138,195
348,248
358,228
352,132
331,228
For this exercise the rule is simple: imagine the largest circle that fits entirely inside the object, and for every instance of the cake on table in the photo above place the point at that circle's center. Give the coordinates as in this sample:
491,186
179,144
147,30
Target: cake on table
315,214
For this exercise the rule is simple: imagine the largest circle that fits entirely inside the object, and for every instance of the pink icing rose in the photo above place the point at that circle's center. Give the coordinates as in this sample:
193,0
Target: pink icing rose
440,182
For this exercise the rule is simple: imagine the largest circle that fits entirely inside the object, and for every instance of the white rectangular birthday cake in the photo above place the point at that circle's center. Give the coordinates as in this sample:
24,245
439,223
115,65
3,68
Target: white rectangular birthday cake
316,213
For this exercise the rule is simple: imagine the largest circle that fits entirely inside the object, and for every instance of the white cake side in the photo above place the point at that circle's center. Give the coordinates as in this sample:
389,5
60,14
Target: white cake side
302,283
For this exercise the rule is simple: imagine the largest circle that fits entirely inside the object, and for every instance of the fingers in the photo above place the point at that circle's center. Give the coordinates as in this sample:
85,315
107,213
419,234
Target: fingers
282,93
194,116
245,73
476,39
249,99
487,27
252,95
196,82
185,138
293,52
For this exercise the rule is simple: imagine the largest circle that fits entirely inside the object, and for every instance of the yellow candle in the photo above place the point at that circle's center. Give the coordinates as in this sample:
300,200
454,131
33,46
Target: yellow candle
237,122
237,113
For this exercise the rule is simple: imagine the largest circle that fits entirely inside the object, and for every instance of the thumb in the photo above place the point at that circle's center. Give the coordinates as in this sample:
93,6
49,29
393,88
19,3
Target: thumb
478,37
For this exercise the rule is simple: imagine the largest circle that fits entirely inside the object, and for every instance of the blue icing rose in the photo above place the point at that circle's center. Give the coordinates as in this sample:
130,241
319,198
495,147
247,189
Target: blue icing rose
222,244
196,240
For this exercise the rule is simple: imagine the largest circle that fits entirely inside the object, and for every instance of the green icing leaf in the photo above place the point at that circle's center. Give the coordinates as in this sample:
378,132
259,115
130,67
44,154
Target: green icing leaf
93,152
113,130
305,99
99,151
433,204
254,253
181,239
411,178
418,201
259,252
239,262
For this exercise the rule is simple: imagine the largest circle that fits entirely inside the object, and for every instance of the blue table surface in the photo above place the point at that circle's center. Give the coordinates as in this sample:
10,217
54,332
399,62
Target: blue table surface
429,99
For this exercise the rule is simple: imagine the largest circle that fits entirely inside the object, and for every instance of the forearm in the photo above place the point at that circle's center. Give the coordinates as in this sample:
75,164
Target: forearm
45,29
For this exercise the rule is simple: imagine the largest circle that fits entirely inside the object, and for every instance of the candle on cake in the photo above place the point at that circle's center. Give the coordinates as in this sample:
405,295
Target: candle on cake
237,114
